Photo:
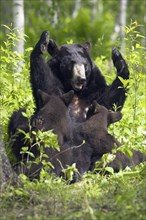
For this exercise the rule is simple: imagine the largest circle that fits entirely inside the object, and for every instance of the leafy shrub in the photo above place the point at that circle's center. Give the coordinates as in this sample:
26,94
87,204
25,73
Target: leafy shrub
15,87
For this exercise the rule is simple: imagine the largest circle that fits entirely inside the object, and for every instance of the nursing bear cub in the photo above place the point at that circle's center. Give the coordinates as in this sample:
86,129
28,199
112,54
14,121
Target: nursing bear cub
52,116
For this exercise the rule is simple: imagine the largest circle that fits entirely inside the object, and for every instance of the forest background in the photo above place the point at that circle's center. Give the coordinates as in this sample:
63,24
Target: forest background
106,24
97,21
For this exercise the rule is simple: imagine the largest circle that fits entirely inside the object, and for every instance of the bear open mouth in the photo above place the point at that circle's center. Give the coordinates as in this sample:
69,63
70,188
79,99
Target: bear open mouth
77,86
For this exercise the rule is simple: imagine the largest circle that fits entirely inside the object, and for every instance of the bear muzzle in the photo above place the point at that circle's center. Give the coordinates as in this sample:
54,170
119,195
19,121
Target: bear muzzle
78,80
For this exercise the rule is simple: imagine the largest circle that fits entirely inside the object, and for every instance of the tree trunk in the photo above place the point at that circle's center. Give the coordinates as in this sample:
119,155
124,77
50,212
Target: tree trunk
76,8
94,9
18,20
54,6
6,171
123,8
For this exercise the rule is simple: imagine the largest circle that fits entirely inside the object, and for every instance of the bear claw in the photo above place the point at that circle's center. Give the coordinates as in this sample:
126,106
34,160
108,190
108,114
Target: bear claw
37,122
45,37
44,41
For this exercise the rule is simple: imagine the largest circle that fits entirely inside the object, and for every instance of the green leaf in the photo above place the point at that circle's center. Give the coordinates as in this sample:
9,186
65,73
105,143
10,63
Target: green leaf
30,154
109,170
23,150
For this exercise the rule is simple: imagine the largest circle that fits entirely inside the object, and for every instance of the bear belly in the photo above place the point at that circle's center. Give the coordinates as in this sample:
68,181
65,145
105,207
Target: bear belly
78,109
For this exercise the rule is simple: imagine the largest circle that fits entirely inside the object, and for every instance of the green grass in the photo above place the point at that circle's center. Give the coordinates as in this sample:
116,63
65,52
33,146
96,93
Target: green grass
119,196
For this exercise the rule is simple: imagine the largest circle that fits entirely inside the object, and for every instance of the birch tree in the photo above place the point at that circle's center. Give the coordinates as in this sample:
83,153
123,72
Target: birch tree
94,9
122,21
6,171
54,5
76,8
18,21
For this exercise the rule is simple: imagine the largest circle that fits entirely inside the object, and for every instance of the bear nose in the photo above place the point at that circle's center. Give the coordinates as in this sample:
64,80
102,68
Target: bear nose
81,80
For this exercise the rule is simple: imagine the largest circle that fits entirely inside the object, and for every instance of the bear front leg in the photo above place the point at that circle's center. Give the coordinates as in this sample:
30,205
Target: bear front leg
116,93
39,70
42,44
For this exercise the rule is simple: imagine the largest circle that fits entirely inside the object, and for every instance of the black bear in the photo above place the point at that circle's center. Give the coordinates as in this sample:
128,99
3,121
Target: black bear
72,64
71,68
94,131
54,116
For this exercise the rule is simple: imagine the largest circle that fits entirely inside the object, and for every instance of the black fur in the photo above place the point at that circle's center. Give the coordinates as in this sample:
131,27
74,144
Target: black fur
41,76
62,62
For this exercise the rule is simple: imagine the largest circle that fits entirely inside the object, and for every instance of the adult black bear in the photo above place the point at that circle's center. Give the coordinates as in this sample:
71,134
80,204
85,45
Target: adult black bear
71,68
72,64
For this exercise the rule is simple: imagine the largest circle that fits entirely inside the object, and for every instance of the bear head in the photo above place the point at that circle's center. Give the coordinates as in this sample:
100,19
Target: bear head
101,116
72,63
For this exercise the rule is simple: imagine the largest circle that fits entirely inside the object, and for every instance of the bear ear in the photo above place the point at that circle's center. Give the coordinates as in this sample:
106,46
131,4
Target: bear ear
97,107
67,97
93,108
87,46
114,117
52,47
43,96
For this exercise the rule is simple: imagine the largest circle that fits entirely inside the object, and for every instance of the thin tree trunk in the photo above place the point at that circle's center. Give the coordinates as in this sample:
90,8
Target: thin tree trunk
53,5
97,7
144,19
123,9
6,13
76,8
94,9
18,20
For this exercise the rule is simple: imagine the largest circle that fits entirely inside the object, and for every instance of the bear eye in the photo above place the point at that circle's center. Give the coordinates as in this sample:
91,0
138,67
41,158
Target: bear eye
86,68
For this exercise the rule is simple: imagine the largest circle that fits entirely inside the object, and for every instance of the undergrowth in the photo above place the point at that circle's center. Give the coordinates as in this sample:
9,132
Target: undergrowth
119,196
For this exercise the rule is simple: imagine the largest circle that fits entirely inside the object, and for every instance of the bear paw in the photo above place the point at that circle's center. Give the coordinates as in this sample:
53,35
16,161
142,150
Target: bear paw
52,47
120,64
44,41
37,122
